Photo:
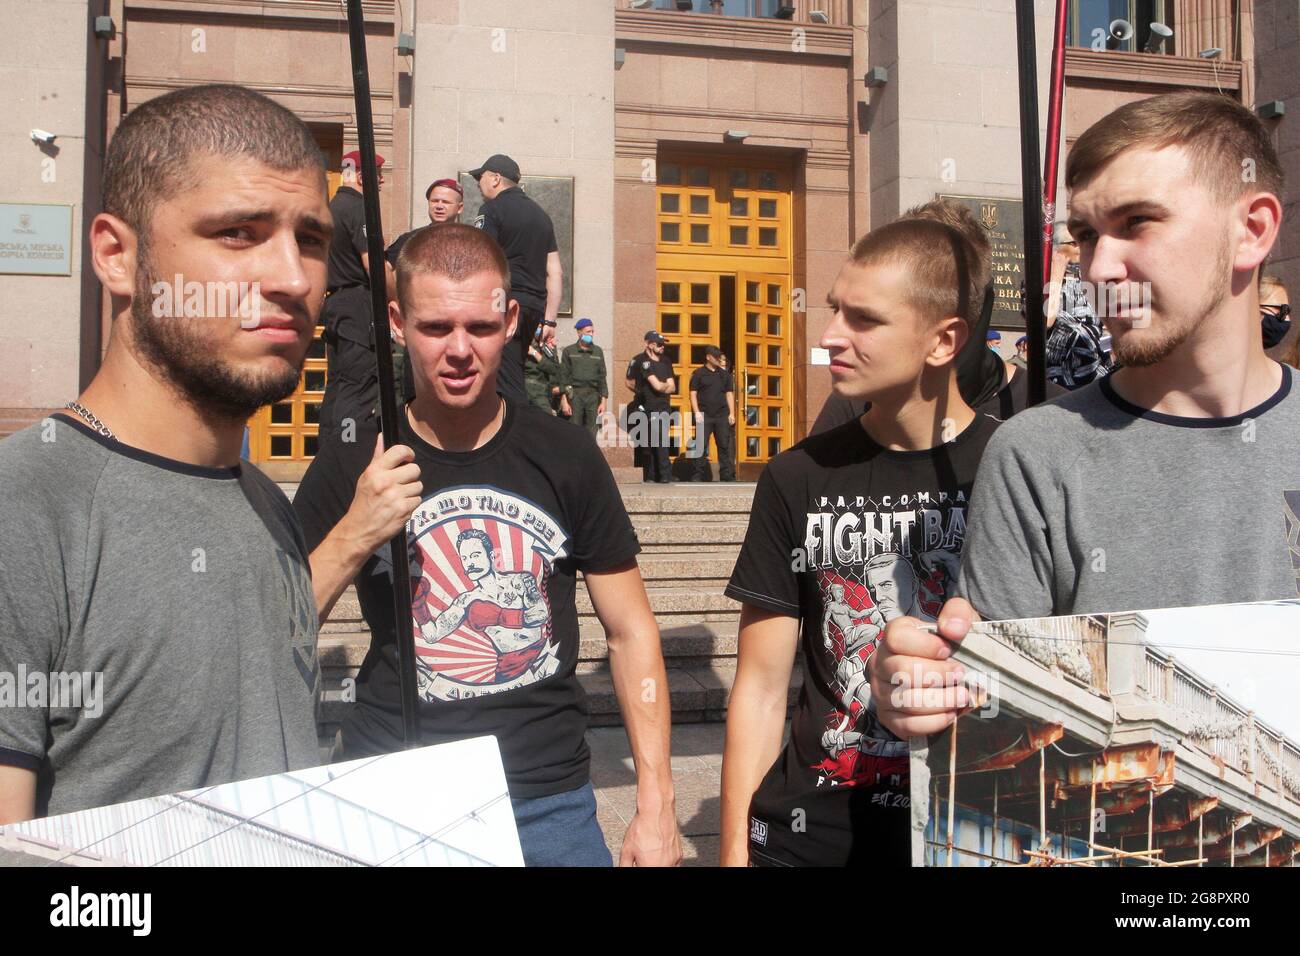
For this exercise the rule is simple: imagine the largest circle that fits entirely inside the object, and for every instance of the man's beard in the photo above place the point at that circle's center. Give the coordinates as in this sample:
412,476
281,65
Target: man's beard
185,360
1129,351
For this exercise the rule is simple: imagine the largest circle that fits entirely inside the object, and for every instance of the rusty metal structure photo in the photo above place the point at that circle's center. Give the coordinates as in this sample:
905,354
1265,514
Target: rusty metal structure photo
1090,745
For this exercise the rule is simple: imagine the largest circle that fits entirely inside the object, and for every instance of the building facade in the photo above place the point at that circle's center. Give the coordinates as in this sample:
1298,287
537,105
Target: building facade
707,167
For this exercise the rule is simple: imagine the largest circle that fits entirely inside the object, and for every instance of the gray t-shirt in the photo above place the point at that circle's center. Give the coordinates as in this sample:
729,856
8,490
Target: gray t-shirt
1090,504
182,592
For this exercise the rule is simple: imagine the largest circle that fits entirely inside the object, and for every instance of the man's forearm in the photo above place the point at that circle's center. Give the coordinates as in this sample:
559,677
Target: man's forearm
755,724
554,291
334,564
636,663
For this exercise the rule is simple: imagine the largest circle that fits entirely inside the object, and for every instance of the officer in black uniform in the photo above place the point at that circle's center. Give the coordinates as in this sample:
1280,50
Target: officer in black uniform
632,378
352,381
657,385
714,403
525,233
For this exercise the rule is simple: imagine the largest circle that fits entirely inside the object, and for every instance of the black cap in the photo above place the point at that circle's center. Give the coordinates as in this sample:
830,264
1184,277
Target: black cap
498,163
653,336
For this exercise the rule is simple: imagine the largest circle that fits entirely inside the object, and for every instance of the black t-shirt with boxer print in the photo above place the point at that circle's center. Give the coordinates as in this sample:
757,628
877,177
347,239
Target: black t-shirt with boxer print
495,549
846,535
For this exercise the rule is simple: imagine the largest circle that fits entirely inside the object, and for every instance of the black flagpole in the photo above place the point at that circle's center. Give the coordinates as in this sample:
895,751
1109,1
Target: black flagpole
1031,181
384,361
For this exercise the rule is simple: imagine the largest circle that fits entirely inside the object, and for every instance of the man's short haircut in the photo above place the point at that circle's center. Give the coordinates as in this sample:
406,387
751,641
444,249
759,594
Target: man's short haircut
452,249
947,251
1230,149
150,158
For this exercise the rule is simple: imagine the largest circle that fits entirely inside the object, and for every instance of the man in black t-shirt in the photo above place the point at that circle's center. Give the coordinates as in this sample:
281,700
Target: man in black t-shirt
509,505
713,401
848,530
525,233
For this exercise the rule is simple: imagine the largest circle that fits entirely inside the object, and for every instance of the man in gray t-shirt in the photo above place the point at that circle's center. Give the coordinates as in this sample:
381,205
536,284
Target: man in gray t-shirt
181,597
1091,504
158,619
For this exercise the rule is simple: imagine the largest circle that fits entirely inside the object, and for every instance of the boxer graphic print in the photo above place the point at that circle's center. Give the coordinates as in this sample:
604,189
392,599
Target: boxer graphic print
481,559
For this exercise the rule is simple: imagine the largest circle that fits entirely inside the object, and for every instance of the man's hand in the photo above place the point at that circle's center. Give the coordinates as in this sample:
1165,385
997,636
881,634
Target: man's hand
387,492
652,839
731,418
565,407
600,409
911,667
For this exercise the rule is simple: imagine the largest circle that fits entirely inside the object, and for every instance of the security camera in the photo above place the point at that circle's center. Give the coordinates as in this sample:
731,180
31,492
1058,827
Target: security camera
41,136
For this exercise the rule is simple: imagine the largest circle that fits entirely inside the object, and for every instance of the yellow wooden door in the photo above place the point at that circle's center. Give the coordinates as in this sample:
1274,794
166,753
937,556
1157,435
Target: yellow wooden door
687,315
764,423
724,257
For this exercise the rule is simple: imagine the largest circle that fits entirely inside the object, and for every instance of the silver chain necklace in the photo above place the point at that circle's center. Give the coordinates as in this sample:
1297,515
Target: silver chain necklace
91,420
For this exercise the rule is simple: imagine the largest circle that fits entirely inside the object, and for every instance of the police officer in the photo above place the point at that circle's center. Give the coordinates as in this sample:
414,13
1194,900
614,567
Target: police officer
632,379
713,401
657,384
446,202
352,382
542,377
525,233
583,367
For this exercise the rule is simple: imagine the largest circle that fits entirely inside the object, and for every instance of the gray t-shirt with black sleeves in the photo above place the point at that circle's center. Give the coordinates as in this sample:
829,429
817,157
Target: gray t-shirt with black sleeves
1088,504
182,597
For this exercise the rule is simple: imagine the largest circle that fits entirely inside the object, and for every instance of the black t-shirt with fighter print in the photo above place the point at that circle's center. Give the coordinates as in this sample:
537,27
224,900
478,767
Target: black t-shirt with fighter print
495,548
847,535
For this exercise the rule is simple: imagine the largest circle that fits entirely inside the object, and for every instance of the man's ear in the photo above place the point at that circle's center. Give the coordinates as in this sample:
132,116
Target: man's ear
950,337
113,254
395,322
1261,216
512,318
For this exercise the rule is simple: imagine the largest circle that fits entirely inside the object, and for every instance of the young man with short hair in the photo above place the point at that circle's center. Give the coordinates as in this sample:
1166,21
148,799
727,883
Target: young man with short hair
138,550
514,504
1175,480
848,529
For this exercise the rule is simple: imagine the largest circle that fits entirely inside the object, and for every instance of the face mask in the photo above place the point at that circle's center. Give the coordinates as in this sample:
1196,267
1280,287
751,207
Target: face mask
586,339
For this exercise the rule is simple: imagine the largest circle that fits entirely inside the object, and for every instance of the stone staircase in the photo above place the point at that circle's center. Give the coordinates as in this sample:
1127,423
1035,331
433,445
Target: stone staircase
690,535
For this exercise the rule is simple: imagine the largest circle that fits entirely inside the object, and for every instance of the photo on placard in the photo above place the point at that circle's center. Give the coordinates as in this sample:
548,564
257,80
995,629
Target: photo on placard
1144,738
445,805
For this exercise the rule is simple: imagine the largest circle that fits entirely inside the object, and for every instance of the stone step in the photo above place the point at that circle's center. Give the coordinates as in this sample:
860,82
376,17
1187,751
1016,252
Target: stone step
688,565
341,654
661,537
699,693
671,507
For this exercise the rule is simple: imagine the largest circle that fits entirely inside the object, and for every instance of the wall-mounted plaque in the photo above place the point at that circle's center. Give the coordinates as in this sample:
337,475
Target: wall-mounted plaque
1004,220
35,239
555,195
